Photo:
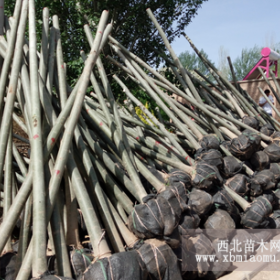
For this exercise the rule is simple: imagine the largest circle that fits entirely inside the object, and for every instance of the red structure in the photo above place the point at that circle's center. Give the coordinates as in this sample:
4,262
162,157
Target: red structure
269,58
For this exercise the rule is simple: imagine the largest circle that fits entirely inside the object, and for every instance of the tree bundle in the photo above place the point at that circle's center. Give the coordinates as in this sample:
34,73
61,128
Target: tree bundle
106,195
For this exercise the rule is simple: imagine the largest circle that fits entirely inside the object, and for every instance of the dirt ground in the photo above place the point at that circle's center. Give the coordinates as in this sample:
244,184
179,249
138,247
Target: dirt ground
268,275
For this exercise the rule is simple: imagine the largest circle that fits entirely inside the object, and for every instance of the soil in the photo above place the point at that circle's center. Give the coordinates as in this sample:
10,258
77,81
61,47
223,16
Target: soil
267,275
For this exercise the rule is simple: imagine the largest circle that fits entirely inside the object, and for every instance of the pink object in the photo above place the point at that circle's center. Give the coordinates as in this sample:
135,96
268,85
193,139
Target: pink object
269,58
265,52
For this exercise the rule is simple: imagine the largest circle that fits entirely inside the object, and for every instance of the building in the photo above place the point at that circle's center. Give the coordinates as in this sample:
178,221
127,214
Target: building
253,80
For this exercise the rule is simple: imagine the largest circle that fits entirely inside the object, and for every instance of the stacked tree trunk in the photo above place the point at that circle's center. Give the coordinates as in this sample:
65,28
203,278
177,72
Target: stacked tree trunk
104,195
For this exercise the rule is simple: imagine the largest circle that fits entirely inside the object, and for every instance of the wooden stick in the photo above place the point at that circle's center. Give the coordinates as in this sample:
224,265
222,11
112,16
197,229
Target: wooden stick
39,264
16,65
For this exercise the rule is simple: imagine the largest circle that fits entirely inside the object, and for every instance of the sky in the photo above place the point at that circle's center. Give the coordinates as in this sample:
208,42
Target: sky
232,25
